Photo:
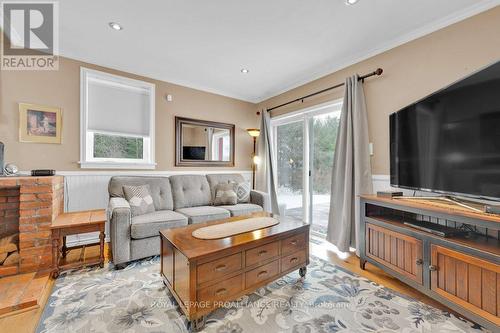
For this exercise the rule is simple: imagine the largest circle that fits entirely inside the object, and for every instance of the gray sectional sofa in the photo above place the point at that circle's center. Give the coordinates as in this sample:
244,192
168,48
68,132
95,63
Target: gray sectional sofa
179,200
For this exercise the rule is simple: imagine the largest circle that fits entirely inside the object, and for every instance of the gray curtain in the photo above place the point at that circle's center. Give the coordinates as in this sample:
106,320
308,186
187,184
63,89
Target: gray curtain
351,174
266,172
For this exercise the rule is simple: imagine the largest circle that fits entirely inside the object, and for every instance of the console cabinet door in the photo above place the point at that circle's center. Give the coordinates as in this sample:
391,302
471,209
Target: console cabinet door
399,252
468,281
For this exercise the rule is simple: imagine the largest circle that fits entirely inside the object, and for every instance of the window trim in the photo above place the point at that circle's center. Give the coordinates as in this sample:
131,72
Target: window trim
86,162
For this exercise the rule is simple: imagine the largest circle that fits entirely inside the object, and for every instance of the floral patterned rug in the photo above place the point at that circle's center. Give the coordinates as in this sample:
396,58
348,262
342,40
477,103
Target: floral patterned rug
328,300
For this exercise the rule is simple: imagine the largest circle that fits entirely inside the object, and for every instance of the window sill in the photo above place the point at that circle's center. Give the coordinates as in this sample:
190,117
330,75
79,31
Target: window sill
117,165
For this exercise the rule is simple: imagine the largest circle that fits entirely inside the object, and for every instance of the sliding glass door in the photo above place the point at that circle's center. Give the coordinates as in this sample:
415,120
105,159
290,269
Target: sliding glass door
305,145
289,140
323,135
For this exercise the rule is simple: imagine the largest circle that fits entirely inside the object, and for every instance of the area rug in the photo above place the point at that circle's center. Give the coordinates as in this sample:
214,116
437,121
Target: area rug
329,299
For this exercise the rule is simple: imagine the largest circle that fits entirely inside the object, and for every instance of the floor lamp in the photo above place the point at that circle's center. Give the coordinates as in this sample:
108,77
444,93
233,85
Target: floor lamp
254,133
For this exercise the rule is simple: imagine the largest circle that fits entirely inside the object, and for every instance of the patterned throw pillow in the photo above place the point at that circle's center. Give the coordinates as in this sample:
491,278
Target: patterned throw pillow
225,194
140,199
243,192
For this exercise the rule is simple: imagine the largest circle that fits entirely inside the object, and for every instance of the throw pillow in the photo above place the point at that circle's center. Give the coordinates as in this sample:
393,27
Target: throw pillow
225,194
140,199
243,192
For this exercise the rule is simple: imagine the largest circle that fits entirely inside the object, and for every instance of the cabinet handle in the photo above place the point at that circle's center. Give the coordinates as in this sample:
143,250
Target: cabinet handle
221,291
294,242
293,260
419,262
433,268
261,253
220,268
261,274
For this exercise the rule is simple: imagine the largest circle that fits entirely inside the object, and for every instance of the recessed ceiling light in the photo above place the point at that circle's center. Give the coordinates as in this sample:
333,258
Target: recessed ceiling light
350,2
115,26
244,70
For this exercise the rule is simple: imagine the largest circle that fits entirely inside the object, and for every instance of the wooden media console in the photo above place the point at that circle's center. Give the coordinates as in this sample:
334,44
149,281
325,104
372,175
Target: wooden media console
462,271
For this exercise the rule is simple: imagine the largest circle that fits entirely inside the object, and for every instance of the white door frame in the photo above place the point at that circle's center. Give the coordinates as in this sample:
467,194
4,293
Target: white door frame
303,115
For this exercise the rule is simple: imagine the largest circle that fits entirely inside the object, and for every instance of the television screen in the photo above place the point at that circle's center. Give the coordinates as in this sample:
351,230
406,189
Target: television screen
449,142
193,153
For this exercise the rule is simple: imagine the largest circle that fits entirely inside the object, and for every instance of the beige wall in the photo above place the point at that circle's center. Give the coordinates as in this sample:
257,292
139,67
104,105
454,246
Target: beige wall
62,89
411,71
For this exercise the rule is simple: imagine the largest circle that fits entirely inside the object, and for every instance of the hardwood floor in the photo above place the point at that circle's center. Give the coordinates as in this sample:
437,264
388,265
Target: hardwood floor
26,322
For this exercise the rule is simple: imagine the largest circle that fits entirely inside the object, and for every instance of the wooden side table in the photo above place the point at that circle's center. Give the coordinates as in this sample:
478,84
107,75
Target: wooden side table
72,224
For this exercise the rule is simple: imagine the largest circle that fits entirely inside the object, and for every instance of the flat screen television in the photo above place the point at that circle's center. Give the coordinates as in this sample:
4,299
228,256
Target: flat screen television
193,153
449,142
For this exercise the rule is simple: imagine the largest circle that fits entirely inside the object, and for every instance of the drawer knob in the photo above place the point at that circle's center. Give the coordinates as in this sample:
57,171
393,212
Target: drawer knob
263,252
221,291
294,242
262,274
419,262
294,260
220,268
433,268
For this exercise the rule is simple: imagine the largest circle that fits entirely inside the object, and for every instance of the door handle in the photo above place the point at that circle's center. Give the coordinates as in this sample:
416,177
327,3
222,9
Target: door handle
220,268
433,268
419,262
261,274
261,253
294,242
294,260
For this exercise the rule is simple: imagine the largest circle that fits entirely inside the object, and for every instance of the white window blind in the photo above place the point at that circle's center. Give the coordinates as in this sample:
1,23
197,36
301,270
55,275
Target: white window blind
117,108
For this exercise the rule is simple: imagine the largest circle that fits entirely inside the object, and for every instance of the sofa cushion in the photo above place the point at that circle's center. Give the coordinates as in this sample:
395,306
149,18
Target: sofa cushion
204,213
216,178
242,209
149,225
190,191
225,194
139,198
159,188
243,191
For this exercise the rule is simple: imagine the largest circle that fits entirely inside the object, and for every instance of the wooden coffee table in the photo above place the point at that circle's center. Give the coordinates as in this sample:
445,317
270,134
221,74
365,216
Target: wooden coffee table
203,274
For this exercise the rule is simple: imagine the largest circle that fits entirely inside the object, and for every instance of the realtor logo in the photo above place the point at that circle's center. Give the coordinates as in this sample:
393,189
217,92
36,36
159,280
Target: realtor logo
30,35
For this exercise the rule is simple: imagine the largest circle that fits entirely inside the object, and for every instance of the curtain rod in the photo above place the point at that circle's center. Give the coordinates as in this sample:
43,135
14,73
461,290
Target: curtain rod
377,72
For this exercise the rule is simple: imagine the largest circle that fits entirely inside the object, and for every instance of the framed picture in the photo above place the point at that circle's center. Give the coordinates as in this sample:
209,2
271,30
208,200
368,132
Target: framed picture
40,124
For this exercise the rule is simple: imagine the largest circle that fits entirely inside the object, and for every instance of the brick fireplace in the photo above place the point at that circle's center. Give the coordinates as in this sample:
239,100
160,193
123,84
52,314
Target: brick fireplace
28,205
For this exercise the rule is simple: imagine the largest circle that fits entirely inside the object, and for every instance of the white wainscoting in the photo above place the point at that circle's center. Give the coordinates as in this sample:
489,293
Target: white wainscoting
85,190
383,183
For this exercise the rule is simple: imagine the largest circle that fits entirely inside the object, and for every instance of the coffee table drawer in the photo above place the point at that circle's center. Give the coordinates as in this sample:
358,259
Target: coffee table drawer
261,253
218,268
293,260
221,291
261,273
292,244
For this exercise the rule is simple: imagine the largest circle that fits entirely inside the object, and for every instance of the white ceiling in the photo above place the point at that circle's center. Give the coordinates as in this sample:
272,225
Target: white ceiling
284,43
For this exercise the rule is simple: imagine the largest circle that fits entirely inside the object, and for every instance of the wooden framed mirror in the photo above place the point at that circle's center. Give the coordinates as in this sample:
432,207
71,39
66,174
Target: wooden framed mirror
203,143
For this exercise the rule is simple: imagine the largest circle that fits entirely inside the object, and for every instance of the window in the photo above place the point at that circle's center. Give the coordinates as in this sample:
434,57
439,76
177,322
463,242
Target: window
117,121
